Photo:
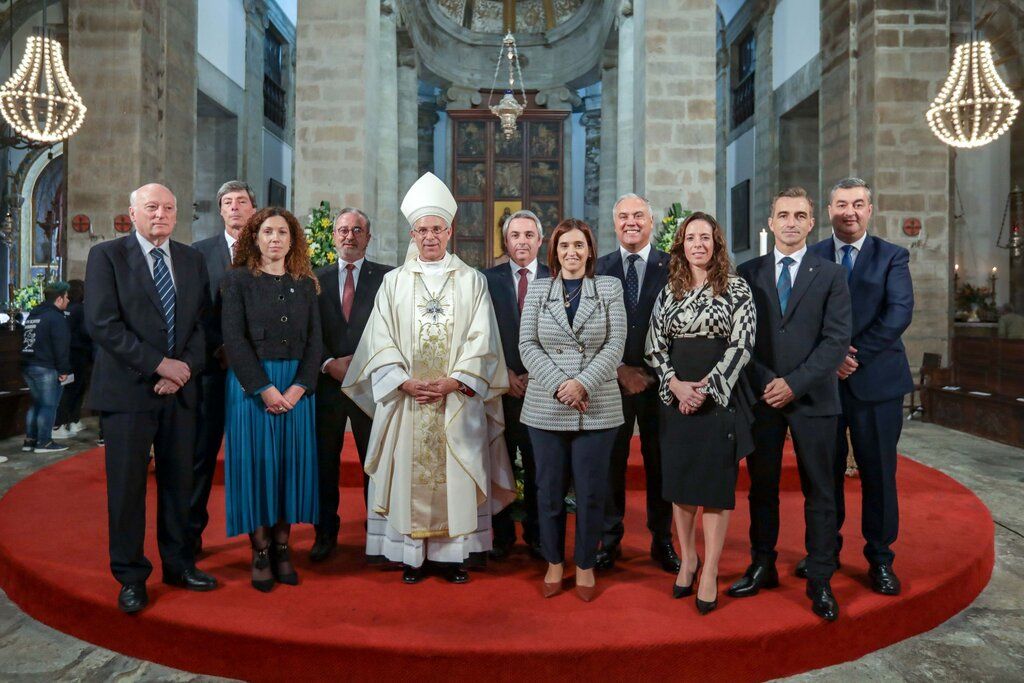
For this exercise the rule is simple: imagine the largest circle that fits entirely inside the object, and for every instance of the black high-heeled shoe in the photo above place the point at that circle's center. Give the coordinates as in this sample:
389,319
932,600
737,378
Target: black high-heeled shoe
684,591
281,556
705,607
260,562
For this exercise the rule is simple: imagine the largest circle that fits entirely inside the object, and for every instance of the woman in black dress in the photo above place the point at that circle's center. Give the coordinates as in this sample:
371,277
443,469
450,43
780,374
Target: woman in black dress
701,337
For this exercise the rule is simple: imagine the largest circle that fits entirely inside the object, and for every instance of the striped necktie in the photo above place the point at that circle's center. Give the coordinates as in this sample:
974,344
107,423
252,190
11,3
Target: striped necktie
164,288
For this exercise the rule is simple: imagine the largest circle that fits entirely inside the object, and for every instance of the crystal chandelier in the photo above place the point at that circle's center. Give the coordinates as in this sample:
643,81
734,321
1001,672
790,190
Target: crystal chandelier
508,108
38,101
974,106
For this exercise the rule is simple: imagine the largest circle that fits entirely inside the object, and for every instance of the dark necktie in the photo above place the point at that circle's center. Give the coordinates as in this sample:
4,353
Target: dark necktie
349,295
632,283
165,289
848,260
785,284
523,284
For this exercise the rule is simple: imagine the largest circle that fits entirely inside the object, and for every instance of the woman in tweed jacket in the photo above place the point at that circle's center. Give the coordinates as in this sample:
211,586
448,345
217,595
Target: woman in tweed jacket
571,339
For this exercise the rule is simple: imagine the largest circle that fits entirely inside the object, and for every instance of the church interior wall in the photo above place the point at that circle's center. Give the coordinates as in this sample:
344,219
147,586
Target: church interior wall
277,166
216,159
796,33
221,37
739,165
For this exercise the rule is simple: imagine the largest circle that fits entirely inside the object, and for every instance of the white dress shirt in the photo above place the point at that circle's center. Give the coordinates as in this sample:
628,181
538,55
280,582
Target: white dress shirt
148,246
530,276
857,246
342,276
231,245
641,263
794,267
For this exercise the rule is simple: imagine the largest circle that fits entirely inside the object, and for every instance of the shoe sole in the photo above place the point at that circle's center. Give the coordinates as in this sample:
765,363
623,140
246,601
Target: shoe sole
49,450
134,610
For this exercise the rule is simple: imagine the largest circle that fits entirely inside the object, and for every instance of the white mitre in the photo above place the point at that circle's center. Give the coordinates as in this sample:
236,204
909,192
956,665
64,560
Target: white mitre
429,196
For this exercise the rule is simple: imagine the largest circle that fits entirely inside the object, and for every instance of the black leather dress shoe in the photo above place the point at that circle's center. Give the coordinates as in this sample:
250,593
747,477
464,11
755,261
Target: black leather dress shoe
192,579
132,598
801,568
454,573
823,603
884,579
665,555
501,549
324,544
758,575
606,556
412,574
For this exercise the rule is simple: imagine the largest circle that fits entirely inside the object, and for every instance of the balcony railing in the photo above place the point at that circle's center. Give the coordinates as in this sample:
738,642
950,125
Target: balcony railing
273,102
743,101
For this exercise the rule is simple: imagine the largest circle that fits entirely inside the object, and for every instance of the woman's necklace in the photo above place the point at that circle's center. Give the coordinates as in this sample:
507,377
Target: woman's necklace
567,300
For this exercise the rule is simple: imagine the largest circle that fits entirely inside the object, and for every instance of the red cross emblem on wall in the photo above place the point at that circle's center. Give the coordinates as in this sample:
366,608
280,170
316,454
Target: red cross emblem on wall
122,223
81,223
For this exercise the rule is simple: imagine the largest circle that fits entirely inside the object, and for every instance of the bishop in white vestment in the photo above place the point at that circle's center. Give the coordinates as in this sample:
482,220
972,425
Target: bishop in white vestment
429,369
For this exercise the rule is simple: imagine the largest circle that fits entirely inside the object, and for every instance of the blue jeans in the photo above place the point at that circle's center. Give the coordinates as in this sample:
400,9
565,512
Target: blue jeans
45,389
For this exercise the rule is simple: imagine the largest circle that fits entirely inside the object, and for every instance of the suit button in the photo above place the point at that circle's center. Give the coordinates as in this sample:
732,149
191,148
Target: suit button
558,350
729,436
580,348
284,318
280,297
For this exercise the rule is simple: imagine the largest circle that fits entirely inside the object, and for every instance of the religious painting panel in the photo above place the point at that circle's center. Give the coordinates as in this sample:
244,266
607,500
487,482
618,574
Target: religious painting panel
469,221
544,179
508,148
544,139
470,179
502,212
548,213
508,180
470,138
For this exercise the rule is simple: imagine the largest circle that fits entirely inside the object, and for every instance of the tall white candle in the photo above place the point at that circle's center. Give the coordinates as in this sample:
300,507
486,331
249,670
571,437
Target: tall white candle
764,242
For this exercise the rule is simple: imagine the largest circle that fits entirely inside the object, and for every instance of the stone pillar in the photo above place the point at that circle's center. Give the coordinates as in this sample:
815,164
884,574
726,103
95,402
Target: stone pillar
408,122
766,128
880,71
677,156
625,174
140,89
386,216
336,59
609,152
250,126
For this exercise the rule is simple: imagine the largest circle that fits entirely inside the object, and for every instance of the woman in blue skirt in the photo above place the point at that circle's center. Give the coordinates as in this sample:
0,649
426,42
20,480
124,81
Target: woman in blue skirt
272,339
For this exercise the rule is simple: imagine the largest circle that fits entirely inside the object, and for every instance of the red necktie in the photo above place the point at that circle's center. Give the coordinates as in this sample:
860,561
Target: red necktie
349,295
523,283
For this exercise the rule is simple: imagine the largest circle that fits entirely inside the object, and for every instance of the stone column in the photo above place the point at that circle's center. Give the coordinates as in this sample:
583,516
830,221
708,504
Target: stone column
386,215
625,174
609,152
678,148
880,71
408,125
140,89
250,126
766,128
334,140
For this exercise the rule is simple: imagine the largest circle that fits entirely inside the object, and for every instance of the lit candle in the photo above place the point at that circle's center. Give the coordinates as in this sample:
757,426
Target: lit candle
764,242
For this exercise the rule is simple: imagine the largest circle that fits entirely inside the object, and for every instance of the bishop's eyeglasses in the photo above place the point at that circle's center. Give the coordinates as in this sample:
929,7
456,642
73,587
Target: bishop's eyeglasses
436,231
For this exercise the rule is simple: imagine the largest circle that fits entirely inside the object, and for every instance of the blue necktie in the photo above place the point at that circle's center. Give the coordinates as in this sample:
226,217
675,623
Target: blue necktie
165,288
632,283
847,261
785,284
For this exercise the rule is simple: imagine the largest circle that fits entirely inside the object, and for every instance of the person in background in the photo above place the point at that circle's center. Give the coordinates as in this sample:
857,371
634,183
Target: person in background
1011,323
45,363
69,413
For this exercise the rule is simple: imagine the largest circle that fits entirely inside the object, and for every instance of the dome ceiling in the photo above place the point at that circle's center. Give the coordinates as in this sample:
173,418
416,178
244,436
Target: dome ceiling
525,16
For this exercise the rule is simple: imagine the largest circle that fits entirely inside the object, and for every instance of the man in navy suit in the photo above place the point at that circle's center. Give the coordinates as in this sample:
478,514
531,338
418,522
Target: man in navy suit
875,374
144,299
803,332
643,271
237,202
507,283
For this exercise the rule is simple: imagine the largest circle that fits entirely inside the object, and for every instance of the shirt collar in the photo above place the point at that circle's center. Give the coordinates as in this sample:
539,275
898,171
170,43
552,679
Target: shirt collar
857,246
148,246
230,240
358,264
532,267
644,254
797,256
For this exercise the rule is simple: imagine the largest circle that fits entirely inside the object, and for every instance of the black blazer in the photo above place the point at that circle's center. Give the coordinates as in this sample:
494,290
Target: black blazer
806,346
218,260
126,321
655,279
340,336
501,283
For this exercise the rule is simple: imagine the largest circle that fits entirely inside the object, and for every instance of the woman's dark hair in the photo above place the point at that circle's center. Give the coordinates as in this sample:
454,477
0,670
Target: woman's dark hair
247,250
565,226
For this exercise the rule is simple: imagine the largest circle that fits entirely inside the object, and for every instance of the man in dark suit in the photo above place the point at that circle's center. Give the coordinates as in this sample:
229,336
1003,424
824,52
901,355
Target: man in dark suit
875,374
803,332
237,203
508,282
144,298
643,271
347,292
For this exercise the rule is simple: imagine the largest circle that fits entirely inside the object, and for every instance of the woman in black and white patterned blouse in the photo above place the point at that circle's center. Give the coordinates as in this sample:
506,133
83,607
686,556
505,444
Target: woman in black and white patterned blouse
701,337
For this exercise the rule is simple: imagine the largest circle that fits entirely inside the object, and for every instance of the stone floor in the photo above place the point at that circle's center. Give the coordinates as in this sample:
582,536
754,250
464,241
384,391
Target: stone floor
984,642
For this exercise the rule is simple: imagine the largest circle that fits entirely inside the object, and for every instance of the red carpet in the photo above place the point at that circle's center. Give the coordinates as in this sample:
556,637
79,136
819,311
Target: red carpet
349,621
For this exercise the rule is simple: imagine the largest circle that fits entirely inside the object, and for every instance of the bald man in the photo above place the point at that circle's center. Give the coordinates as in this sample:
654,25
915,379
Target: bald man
144,295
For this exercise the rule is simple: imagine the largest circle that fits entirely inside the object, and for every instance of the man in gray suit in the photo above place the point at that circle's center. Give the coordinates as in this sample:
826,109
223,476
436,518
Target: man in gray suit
237,203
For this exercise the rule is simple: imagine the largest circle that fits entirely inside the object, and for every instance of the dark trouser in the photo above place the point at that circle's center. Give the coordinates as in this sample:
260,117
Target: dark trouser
581,457
45,389
209,435
643,409
815,444
517,437
874,431
330,436
70,408
171,432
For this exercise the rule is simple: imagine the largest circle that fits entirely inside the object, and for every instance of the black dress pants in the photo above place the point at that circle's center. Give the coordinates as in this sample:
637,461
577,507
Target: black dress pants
640,408
330,437
170,430
517,437
815,445
874,432
209,437
580,457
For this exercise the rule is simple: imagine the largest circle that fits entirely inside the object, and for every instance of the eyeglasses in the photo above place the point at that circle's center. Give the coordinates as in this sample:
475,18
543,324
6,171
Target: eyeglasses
435,231
345,232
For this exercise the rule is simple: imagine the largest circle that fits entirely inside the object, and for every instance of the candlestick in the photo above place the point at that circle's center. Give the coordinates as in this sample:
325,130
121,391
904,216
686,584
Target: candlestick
992,279
764,241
